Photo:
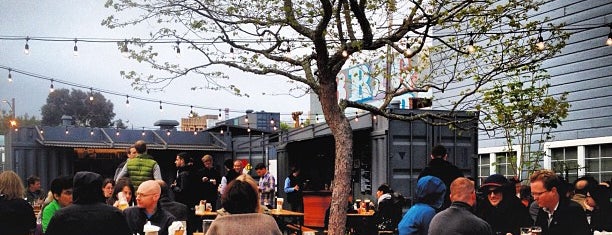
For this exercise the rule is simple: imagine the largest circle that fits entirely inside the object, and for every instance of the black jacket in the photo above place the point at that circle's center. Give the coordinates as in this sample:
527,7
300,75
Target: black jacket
389,214
88,213
207,190
16,216
444,170
137,218
507,217
184,188
568,219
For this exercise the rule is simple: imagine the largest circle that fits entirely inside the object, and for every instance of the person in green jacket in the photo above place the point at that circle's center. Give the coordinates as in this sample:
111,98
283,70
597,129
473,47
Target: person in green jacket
61,188
141,168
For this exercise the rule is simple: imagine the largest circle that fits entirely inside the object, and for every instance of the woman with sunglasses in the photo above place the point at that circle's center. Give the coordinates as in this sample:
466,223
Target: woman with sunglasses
500,207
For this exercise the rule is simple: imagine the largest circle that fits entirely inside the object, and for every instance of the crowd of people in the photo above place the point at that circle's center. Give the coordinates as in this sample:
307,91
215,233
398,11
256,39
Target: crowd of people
444,202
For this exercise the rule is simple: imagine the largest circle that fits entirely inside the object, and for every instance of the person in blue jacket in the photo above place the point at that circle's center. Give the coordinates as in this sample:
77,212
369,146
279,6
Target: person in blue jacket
429,197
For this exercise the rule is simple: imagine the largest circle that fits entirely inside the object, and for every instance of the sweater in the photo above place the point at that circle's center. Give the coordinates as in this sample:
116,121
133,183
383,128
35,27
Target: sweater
251,223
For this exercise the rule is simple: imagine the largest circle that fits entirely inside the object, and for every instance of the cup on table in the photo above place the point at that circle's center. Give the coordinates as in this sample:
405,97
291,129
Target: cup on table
208,207
536,230
206,225
367,204
525,230
279,203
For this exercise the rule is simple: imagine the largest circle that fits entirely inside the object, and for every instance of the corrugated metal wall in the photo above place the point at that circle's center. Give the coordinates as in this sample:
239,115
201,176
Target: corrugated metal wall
410,145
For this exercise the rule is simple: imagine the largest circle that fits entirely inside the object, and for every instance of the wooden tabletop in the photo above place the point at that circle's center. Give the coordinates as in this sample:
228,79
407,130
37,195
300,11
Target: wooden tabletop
206,213
365,214
284,213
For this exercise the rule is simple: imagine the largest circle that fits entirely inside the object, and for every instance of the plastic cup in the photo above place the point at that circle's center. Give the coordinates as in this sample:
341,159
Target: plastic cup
279,203
206,225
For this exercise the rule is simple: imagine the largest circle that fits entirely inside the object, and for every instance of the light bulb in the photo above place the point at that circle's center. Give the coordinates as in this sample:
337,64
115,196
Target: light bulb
168,132
471,49
26,48
221,132
540,43
127,100
195,132
10,76
75,50
160,106
609,41
91,98
51,88
344,53
91,132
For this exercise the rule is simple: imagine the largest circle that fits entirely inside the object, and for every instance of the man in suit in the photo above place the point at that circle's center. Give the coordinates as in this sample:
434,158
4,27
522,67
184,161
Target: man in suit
557,214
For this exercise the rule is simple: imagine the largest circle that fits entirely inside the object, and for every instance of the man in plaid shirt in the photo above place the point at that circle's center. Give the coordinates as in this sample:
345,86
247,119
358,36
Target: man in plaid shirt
267,185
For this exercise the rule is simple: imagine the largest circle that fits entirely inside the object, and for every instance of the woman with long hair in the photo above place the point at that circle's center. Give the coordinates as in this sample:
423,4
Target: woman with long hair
242,211
16,215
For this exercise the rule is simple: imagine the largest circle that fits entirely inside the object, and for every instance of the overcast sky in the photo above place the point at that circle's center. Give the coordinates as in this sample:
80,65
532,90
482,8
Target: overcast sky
98,66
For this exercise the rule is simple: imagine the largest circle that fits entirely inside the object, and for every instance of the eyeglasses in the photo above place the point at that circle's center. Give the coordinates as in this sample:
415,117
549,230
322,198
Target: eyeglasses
496,192
537,194
144,195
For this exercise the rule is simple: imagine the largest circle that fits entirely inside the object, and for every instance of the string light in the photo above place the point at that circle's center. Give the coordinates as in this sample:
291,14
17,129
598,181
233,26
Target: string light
272,122
168,132
246,118
26,48
91,131
117,132
195,132
374,117
274,128
66,131
143,132
42,131
231,50
356,116
51,88
219,113
124,49
609,41
127,100
540,45
160,106
316,118
471,49
91,98
221,131
178,49
10,76
75,50
191,112
344,53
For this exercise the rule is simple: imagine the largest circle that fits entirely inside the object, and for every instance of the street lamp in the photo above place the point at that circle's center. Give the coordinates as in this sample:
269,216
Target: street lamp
13,122
8,142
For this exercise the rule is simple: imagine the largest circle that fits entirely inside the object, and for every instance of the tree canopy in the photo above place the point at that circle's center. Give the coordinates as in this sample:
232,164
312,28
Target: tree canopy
465,44
85,111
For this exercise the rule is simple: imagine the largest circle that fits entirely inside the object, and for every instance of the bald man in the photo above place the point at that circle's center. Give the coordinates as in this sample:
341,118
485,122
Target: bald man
458,218
148,209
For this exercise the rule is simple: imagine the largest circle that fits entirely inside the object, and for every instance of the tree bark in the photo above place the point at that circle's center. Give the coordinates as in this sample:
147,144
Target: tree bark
343,139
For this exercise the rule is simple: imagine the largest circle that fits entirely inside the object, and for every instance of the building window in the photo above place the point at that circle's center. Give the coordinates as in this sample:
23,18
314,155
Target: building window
598,159
565,162
484,167
502,166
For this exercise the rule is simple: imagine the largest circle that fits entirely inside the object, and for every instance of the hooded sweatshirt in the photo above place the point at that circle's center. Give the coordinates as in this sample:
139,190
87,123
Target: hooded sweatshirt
429,196
88,213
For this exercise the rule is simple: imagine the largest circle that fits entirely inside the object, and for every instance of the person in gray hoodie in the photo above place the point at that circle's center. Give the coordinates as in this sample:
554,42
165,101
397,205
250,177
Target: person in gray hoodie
429,197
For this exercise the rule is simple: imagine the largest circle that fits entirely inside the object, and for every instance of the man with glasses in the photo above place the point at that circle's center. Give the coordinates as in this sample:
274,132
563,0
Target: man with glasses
557,214
148,209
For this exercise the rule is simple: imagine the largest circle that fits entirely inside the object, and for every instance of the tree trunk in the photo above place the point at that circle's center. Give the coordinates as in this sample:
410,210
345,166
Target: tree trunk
343,138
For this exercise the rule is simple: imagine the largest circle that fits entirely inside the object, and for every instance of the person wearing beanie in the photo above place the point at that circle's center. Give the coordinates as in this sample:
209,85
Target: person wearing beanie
500,207
88,214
